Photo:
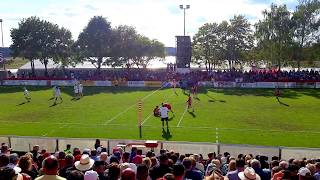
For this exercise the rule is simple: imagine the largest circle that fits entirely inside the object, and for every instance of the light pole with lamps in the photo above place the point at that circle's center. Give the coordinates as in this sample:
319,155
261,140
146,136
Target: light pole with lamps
184,17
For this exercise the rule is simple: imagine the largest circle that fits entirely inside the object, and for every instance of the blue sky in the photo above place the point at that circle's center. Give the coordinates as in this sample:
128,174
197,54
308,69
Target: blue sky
158,19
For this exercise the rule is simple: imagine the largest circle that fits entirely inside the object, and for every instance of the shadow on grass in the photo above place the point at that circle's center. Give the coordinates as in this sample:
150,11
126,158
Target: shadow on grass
75,99
166,134
192,114
211,99
20,104
281,103
285,93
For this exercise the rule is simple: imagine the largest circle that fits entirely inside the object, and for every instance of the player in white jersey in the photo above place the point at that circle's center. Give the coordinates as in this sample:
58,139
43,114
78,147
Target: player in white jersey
26,94
76,90
80,87
57,95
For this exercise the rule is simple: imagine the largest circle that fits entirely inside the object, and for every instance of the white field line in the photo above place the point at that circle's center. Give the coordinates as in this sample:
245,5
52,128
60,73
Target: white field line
127,109
54,130
184,112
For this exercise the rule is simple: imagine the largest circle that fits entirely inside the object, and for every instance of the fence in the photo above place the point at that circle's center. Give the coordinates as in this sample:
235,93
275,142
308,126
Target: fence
19,143
216,84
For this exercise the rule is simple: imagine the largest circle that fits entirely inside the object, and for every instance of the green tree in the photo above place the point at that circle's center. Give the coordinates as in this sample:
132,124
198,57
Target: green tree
94,42
207,46
123,39
26,40
64,49
145,50
306,26
274,35
239,40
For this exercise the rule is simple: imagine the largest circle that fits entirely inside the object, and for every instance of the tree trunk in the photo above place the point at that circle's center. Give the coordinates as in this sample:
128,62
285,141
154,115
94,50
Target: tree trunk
99,64
32,68
45,62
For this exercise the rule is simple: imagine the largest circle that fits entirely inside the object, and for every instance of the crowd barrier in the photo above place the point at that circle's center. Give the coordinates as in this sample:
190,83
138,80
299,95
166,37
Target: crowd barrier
215,84
24,144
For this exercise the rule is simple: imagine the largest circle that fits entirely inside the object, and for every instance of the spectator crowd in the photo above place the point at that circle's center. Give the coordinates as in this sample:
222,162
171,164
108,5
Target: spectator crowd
97,164
194,75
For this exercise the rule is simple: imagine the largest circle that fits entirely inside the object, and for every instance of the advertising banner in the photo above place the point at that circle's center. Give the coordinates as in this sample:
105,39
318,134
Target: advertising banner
87,83
205,84
62,82
136,83
119,83
224,84
318,85
153,83
25,83
102,83
265,84
248,85
305,85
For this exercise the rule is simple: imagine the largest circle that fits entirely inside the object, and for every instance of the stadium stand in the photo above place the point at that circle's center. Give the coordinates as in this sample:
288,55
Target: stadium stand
165,74
97,163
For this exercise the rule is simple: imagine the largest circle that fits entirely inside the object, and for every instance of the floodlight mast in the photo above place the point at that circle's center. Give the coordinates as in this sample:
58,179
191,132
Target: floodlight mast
184,17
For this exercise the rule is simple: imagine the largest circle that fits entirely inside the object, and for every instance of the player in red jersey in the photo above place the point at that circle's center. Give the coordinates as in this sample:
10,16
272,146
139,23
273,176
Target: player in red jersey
189,103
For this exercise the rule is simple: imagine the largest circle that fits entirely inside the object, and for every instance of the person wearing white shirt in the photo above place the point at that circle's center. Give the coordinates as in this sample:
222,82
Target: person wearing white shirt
57,95
164,115
26,94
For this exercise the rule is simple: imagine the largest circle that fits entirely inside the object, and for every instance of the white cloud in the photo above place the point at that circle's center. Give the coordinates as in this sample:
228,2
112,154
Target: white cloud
154,18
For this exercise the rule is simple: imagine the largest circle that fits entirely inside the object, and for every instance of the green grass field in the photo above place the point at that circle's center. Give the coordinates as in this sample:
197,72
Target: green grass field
243,116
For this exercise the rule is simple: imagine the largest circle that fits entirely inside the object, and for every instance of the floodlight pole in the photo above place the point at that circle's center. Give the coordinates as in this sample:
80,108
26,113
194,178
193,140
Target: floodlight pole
184,17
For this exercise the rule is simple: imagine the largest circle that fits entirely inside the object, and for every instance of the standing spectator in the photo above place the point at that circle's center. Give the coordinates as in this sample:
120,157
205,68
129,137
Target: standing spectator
113,171
69,161
50,169
25,163
248,174
97,144
100,167
190,172
160,170
178,171
84,164
91,175
128,174
4,160
75,175
142,172
68,149
256,165
233,175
